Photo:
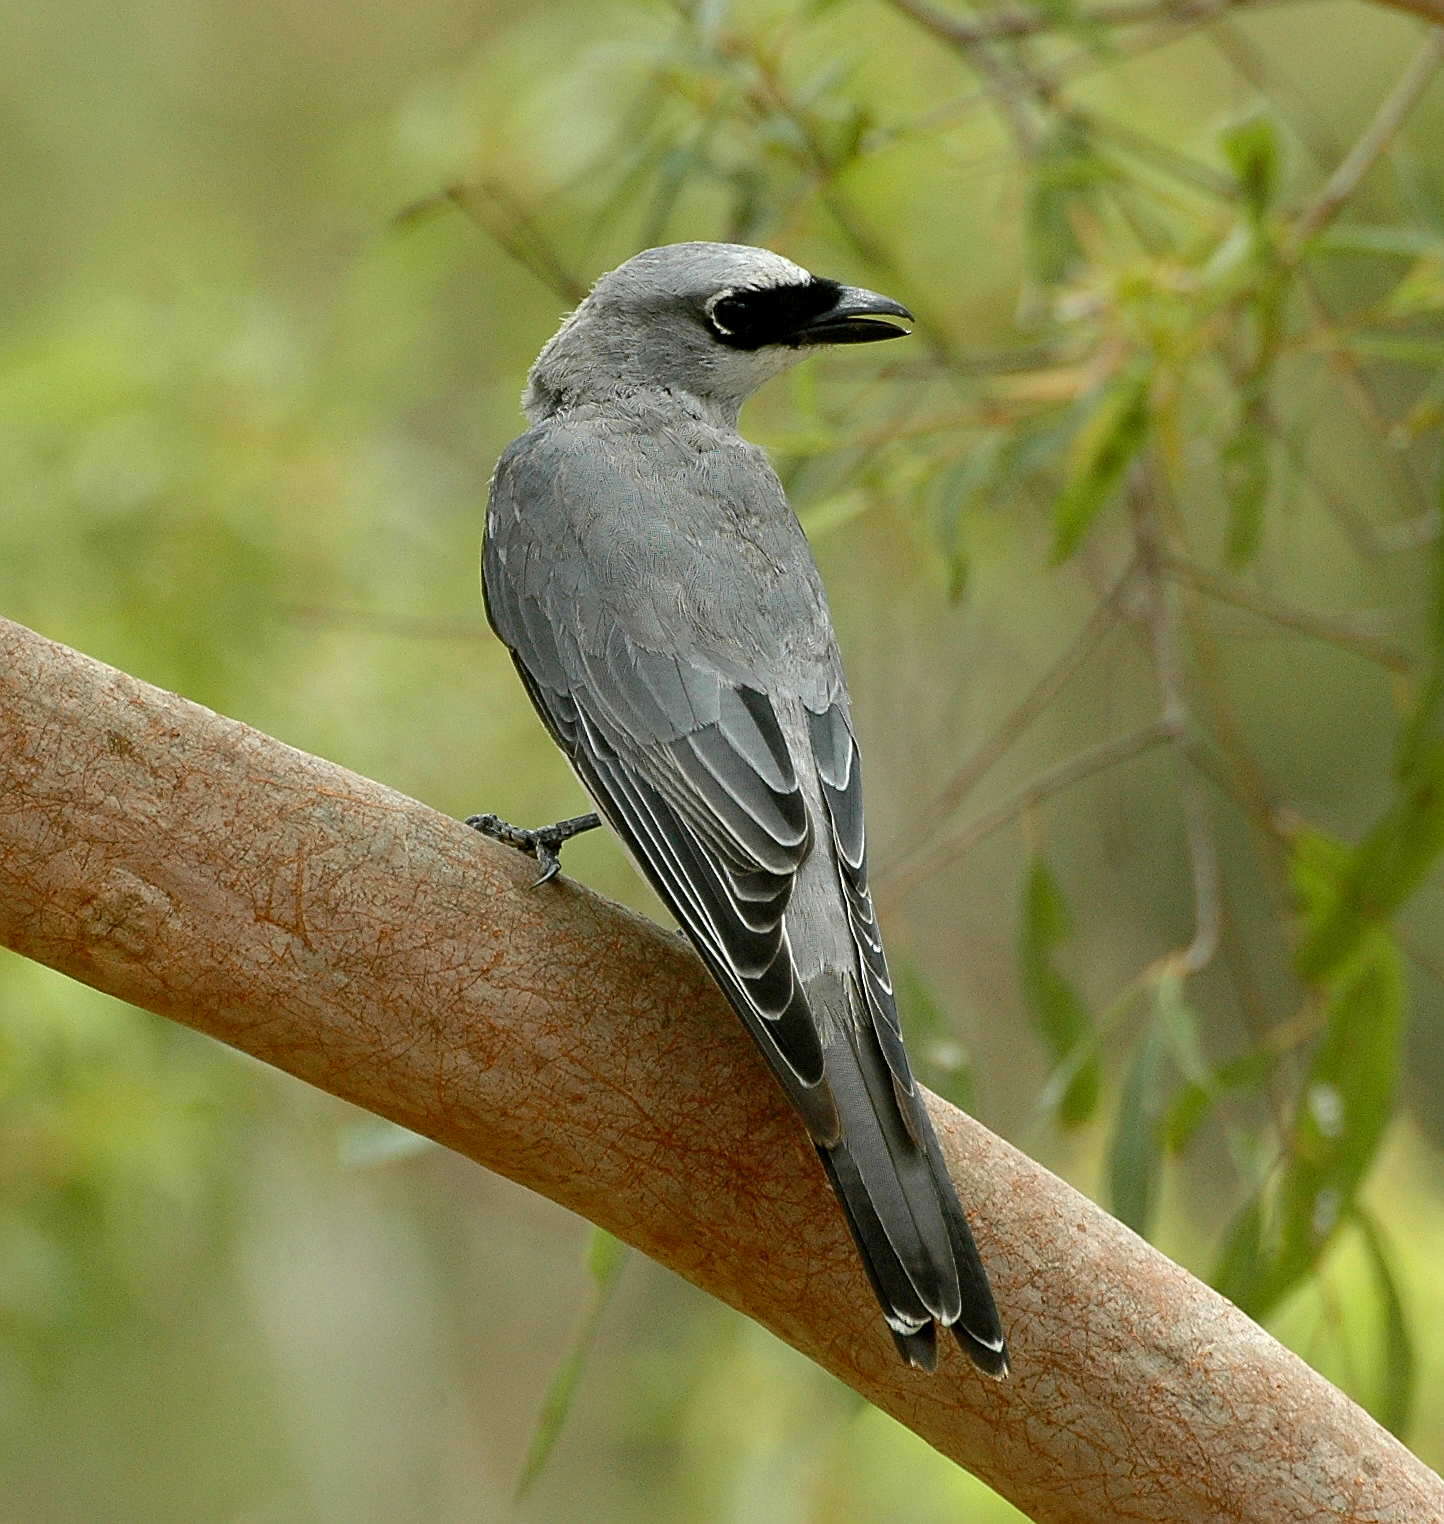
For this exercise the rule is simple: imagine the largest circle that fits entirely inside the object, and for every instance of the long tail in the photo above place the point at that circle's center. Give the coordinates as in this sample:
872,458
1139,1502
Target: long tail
909,1227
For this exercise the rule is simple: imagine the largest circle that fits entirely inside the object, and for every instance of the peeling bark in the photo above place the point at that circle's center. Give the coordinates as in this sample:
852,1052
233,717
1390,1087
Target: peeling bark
378,950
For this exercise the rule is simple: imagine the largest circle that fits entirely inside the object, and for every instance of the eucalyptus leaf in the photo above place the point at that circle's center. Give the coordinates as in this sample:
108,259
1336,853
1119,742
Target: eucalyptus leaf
1193,1102
950,1069
1251,146
1394,1407
1104,447
605,1258
1135,1152
1060,1013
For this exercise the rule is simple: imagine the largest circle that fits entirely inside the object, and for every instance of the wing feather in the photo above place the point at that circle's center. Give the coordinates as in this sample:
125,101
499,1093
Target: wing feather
733,906
840,768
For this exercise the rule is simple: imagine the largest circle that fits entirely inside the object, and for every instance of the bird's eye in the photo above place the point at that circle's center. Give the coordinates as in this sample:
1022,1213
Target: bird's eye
753,316
728,315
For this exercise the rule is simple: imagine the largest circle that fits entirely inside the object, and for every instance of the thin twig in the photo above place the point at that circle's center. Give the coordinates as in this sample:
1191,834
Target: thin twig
1006,25
1360,533
898,881
515,233
1424,956
1174,24
1004,81
1376,137
1376,648
1037,699
1247,59
1359,388
874,251
1125,13
1176,720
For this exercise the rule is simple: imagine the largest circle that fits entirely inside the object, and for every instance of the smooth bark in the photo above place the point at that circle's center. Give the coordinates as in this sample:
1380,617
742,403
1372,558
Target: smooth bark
361,941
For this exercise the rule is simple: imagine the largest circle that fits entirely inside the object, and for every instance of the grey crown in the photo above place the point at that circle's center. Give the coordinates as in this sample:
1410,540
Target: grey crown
665,613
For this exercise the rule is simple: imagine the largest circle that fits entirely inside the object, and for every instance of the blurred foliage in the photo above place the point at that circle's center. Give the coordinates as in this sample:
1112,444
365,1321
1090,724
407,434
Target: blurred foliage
1136,554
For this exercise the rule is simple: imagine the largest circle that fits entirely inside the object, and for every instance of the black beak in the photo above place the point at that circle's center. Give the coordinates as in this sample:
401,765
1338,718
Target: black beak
856,317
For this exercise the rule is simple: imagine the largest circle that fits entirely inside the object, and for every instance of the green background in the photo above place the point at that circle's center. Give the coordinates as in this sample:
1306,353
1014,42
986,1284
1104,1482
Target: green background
271,276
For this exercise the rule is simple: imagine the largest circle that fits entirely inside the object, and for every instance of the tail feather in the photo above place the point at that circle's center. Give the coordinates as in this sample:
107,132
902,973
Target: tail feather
978,1328
888,1171
908,1321
895,1174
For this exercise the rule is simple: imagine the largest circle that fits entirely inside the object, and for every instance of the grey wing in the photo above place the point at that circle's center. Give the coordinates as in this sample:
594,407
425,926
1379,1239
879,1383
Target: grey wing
690,766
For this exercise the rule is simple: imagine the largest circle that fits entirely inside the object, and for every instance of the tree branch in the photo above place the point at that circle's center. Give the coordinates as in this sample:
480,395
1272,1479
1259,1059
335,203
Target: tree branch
363,942
896,882
1378,135
968,31
917,843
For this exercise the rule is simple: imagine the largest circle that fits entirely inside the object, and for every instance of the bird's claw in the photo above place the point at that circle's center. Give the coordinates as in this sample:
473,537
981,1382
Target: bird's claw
544,843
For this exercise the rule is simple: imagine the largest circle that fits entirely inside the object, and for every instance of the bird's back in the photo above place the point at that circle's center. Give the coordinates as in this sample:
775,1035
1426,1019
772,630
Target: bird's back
647,572
677,531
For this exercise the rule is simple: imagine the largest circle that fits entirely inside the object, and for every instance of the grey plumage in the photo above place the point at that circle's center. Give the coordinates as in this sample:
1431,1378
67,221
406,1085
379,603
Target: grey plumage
665,613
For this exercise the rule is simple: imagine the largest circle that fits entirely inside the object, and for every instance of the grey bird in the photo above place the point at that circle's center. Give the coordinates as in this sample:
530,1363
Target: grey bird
663,608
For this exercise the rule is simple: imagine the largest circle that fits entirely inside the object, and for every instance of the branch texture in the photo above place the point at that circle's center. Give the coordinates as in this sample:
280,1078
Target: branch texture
361,941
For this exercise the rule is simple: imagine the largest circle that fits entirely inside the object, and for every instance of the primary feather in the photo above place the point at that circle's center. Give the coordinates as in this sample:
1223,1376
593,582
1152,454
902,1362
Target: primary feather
666,616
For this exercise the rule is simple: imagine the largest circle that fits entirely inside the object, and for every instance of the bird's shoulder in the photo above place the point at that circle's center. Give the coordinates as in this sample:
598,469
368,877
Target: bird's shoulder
677,536
664,467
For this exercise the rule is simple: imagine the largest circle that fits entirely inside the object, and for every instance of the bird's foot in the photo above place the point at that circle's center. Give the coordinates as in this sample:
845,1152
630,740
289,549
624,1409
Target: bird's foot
544,843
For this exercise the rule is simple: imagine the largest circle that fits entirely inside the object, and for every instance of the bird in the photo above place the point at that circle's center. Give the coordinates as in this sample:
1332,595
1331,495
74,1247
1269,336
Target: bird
661,604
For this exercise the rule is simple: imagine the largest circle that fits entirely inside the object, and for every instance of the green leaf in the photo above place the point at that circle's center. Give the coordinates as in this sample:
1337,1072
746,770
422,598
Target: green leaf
373,1141
831,513
1247,458
1179,1024
1193,1102
1395,1404
605,1258
1251,147
951,490
960,571
950,1070
1102,450
1344,1106
1068,16
1241,1267
1067,170
1373,879
1247,475
1399,347
1135,1154
992,467
1062,1016
1389,242
1317,865
1420,291
1422,734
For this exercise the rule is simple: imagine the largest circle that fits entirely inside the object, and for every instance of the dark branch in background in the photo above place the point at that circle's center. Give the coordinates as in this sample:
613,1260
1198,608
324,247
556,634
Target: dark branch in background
1007,25
372,947
896,882
1335,632
1165,637
1379,134
908,856
498,213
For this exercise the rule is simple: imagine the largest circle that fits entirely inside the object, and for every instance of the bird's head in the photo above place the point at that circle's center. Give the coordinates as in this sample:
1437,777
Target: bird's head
712,320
